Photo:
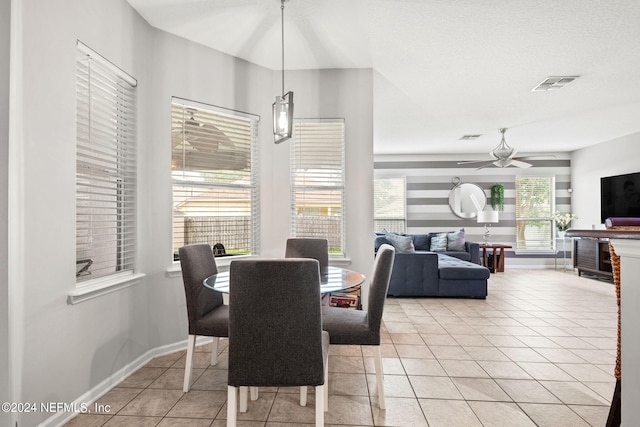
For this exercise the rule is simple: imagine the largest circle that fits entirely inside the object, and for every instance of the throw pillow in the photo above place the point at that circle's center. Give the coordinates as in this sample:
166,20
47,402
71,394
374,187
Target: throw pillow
403,244
455,241
421,242
439,242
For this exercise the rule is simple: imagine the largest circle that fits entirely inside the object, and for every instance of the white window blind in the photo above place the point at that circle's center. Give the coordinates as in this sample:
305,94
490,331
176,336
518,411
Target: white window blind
213,158
535,197
105,168
317,181
389,205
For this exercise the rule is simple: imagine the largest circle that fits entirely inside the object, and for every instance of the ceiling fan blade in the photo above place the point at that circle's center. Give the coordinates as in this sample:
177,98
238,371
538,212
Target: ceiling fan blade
469,162
542,156
489,163
520,164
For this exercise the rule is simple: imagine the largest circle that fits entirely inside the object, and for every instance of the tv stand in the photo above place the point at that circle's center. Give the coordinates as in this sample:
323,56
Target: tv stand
591,256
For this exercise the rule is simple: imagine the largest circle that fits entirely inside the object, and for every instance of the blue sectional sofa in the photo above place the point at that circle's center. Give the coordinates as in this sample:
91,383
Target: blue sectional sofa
421,272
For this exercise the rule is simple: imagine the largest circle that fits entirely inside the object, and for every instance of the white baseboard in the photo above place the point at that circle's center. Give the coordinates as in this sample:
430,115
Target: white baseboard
60,418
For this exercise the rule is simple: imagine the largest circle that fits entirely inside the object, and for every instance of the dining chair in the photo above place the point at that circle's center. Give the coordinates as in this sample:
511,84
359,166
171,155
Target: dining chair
207,314
308,247
357,327
275,329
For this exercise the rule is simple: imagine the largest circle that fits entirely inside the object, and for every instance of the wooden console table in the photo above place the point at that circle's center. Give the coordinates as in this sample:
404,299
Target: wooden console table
498,256
626,244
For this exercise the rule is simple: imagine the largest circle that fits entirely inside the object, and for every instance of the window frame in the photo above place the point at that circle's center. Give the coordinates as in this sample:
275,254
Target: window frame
106,175
231,115
551,249
402,217
331,183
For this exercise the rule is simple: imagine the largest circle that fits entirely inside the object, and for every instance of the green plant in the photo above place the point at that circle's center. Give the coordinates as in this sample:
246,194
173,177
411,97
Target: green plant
497,196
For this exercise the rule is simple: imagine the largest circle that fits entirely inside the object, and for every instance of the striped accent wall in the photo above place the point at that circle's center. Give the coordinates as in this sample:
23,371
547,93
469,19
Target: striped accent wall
429,182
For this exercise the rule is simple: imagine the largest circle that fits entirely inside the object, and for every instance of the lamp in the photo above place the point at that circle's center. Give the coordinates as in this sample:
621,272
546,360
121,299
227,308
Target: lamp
283,106
487,218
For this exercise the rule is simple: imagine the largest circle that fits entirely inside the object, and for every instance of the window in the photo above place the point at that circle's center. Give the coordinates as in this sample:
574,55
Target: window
213,158
105,168
534,208
389,205
317,181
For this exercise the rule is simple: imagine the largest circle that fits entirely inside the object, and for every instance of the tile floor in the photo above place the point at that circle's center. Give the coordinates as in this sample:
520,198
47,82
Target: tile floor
540,350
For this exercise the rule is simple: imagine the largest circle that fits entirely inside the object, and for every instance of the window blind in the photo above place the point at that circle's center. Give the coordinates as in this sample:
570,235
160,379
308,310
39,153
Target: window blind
317,181
534,207
215,198
105,167
389,205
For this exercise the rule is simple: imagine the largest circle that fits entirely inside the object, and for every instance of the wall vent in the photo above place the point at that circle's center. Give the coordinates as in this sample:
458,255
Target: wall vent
554,83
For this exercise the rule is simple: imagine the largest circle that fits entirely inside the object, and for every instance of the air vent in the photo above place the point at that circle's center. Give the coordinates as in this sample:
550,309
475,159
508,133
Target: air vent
554,83
469,137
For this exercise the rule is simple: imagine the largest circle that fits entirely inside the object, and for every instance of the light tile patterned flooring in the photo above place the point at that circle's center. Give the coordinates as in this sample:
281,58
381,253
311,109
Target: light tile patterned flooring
540,350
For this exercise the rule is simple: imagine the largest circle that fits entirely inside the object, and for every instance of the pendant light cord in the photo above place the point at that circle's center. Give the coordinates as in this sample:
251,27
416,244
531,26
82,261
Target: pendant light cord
282,25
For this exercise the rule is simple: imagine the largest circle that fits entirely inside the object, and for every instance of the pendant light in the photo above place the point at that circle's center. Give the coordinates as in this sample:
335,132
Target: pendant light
283,106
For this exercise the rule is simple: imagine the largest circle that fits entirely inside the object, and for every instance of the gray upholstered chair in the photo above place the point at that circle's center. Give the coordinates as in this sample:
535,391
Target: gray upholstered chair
307,247
275,329
356,327
207,314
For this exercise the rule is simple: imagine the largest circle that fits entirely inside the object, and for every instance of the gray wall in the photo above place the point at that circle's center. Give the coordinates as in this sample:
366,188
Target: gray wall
67,350
429,181
5,13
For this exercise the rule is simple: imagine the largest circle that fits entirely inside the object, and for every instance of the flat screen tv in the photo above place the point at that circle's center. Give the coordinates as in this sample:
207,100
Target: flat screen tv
620,196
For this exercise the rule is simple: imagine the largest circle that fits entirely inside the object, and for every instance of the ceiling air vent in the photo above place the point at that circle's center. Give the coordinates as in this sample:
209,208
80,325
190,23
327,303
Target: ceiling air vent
469,137
554,83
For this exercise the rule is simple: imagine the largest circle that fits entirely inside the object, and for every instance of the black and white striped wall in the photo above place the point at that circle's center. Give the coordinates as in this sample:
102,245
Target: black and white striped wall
429,179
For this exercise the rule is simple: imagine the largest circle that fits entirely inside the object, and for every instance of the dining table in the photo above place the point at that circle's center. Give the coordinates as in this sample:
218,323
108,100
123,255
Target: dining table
333,279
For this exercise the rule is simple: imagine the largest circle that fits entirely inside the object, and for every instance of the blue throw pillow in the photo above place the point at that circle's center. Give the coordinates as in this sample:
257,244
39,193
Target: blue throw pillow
438,242
421,242
455,241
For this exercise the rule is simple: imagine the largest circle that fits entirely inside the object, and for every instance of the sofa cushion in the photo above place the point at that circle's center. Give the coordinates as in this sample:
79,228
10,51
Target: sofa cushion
457,269
465,256
455,241
438,242
403,244
380,240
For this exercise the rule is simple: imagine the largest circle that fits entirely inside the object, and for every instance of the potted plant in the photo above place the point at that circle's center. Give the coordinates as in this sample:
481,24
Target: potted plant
562,222
497,196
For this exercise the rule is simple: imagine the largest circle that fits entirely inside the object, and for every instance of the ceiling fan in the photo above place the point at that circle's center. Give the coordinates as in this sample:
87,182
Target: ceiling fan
503,156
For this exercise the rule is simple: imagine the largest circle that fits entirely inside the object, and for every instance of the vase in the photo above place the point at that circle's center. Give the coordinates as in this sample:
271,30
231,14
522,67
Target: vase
561,233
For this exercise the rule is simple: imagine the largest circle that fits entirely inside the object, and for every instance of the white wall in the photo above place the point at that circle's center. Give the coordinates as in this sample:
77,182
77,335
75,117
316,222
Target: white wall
66,350
5,13
588,165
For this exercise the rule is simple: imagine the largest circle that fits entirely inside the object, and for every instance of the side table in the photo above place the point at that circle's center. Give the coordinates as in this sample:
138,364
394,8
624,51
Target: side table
498,256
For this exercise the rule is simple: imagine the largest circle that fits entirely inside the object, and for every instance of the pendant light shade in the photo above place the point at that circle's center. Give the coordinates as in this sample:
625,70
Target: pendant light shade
283,117
283,106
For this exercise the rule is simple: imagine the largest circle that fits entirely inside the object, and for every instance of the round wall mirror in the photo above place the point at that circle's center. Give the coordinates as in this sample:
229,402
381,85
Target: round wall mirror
465,200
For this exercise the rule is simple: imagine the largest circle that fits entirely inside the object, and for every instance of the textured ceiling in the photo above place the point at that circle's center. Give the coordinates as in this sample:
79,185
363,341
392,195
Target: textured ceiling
447,68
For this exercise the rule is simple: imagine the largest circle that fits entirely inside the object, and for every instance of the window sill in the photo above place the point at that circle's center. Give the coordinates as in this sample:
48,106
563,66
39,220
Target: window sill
222,263
98,287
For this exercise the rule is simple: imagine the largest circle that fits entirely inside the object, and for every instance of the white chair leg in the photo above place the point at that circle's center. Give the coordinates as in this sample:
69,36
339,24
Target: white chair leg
232,406
303,396
377,358
244,393
191,347
254,393
326,385
214,350
320,404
